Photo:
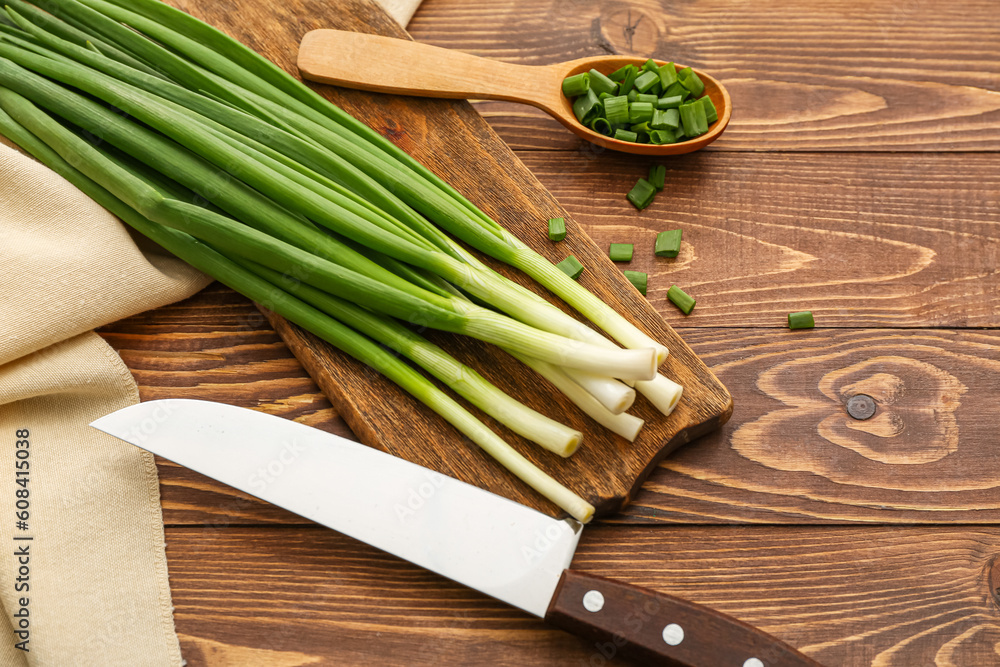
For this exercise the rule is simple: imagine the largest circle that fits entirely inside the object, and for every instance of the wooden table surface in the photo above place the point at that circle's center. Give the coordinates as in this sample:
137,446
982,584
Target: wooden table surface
859,179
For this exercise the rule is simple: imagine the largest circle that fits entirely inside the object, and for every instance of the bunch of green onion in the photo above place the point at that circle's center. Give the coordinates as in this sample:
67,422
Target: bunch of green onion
654,104
236,167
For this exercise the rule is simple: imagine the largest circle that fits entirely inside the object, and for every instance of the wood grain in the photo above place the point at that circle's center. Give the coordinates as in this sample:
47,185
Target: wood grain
893,597
877,76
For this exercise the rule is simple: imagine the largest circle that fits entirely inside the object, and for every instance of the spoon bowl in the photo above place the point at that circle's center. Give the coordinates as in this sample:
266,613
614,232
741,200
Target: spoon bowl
358,60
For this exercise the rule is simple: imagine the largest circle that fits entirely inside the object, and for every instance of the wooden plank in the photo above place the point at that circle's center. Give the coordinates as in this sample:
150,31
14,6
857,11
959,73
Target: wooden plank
864,76
892,597
908,240
451,138
927,458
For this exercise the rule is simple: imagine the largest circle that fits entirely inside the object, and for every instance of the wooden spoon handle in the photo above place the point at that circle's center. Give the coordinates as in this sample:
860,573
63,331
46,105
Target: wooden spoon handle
658,629
388,65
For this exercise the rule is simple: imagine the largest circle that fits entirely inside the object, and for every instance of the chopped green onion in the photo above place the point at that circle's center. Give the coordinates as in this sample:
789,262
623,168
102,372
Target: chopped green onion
657,178
679,132
678,297
671,102
652,99
571,266
642,127
601,126
691,81
640,112
642,193
801,320
711,114
676,89
620,73
557,229
638,280
599,83
665,120
668,243
693,118
668,76
575,85
632,95
646,81
616,110
661,137
620,252
585,106
604,96
628,83
650,66
625,135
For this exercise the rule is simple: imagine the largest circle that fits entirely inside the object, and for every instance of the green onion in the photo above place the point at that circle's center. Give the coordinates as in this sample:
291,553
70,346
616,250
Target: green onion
601,84
691,81
585,106
662,120
641,128
668,243
801,320
651,99
601,126
650,66
638,280
711,114
620,252
662,137
628,83
668,76
669,102
616,110
640,112
684,302
642,193
674,90
575,85
646,81
571,266
693,119
625,135
620,73
557,229
657,178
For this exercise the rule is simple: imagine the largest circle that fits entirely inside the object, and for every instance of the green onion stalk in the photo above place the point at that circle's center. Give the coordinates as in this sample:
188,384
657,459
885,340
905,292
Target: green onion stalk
60,149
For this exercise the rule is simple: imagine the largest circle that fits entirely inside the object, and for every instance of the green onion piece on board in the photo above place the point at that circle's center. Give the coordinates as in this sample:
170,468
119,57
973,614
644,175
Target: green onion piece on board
657,178
620,252
625,135
693,119
585,105
676,89
601,84
571,266
668,76
557,229
616,110
601,126
652,99
638,280
646,81
684,302
642,193
671,102
690,80
628,83
711,114
578,84
801,320
620,73
668,243
661,137
641,112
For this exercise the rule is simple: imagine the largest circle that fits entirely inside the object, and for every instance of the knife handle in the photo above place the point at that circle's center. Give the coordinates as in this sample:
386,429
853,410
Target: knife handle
659,629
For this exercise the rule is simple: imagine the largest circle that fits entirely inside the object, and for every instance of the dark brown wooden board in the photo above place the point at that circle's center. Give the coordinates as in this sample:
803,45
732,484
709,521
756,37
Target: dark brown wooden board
452,139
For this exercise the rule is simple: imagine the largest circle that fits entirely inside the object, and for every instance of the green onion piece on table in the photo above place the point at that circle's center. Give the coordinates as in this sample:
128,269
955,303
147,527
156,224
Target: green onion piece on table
601,84
668,243
620,252
691,81
646,81
801,320
657,178
571,266
625,135
638,280
575,85
668,76
680,299
557,229
642,193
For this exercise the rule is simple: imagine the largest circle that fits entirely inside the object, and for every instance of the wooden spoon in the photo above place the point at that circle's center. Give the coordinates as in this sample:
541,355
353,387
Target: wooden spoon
388,65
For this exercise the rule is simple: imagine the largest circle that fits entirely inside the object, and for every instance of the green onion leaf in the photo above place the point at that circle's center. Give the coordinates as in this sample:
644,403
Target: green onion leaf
693,119
691,81
571,266
642,193
601,84
557,229
668,76
585,106
638,280
711,114
575,85
626,135
683,302
620,252
657,177
801,320
616,110
640,112
645,81
668,243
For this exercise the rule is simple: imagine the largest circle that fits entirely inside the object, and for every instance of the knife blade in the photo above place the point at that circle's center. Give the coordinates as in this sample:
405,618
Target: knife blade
481,540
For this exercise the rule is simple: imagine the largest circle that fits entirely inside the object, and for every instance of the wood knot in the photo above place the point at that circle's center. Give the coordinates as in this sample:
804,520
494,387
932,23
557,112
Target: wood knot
394,133
626,31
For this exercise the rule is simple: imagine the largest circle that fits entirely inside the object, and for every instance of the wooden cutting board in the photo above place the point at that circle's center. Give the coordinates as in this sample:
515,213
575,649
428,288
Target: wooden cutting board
454,141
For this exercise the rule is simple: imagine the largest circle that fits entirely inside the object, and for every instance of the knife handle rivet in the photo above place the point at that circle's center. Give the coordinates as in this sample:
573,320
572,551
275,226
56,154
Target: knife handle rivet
593,601
673,634
753,662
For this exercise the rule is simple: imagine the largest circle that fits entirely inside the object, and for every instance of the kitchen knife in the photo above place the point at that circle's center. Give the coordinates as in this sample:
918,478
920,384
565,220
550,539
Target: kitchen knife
486,542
